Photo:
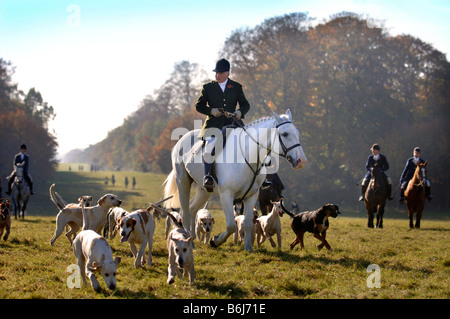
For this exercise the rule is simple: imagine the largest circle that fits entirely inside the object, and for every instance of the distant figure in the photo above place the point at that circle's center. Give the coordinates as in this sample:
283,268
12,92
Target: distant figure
126,182
380,160
295,209
408,173
106,181
23,160
113,180
133,183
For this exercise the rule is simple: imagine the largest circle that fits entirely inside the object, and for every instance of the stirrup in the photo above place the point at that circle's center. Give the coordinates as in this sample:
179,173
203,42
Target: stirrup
208,183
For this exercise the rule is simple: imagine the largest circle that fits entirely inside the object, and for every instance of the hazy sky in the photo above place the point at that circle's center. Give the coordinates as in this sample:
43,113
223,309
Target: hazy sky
94,61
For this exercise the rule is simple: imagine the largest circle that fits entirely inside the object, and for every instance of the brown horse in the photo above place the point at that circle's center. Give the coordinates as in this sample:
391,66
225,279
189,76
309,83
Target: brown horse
375,197
415,194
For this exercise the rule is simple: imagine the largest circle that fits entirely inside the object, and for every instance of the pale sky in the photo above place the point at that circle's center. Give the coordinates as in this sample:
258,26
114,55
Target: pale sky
94,61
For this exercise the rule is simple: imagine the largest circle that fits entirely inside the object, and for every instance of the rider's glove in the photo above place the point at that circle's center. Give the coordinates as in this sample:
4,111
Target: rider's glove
215,112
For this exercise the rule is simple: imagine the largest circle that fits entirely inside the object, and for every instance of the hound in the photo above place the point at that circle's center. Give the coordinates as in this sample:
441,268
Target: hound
94,255
170,224
181,256
204,224
240,232
95,217
270,225
138,227
60,203
5,217
315,222
112,220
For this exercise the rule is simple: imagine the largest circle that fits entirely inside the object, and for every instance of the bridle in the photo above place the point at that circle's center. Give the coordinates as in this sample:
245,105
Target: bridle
269,150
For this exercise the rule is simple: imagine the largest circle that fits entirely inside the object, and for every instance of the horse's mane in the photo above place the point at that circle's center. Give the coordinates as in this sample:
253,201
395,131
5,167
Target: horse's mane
261,120
264,119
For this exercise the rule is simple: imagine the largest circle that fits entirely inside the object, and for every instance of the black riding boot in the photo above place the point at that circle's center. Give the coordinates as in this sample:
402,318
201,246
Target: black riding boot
30,183
389,188
208,180
428,193
10,181
363,192
402,196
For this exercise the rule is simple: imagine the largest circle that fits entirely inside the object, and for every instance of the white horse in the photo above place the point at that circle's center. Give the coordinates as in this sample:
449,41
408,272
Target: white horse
20,193
239,167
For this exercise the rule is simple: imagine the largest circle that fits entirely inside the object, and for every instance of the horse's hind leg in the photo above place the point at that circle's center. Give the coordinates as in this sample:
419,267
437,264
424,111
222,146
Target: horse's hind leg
198,202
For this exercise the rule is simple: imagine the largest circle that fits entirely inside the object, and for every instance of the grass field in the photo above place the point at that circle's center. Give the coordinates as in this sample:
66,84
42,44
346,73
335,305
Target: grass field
412,263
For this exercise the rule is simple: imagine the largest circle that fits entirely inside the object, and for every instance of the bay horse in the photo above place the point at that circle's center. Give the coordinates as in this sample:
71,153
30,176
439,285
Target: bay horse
20,193
238,166
375,197
415,194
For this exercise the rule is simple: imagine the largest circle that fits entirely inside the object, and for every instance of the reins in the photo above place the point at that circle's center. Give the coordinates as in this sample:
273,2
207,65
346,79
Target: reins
269,150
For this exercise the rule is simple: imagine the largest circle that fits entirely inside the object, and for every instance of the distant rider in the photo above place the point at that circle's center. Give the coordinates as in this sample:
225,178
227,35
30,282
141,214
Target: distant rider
408,173
381,161
21,159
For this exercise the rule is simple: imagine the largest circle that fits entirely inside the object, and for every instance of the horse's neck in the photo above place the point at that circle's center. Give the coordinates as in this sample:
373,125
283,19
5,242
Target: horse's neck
416,177
262,131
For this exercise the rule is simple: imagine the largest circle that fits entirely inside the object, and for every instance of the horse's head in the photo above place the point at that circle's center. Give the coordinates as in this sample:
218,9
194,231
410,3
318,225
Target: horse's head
19,174
422,171
376,176
289,138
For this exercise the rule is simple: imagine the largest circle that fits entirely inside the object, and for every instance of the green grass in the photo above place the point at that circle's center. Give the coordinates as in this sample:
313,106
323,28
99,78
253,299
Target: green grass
413,263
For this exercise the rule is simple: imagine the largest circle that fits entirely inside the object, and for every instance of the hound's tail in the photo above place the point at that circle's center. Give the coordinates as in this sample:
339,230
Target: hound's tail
285,209
175,220
56,198
83,212
171,188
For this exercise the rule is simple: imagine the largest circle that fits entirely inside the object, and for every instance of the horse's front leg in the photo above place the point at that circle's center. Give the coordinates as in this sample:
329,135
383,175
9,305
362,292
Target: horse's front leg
24,207
249,203
184,190
226,201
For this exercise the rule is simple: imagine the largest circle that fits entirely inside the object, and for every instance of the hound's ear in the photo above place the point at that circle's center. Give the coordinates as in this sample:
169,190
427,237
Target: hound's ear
212,218
90,198
96,265
101,200
117,260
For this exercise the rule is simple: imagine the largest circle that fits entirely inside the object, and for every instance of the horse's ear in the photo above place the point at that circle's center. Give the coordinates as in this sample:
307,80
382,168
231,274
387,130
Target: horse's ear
277,117
288,113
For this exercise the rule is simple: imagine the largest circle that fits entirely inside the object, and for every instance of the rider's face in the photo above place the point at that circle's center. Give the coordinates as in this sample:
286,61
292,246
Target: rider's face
222,76
375,152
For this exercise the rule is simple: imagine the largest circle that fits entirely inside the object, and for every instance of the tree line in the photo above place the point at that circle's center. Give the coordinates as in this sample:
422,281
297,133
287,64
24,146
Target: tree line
348,83
24,119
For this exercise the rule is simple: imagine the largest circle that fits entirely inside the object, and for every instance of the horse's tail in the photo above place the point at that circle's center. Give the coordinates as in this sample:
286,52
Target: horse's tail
171,188
54,197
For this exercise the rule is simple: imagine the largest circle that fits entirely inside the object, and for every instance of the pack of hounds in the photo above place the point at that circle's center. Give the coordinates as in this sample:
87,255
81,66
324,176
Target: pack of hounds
94,254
